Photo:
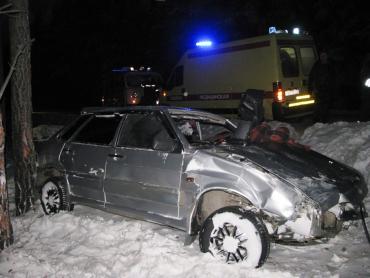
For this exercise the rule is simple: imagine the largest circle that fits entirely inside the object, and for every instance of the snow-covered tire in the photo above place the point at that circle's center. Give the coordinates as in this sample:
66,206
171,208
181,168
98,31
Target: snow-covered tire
53,197
234,235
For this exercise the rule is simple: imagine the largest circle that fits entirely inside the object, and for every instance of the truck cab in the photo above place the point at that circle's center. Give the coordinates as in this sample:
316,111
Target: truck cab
128,86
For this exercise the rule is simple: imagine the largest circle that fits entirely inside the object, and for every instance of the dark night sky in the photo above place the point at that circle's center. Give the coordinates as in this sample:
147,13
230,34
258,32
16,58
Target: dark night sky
77,42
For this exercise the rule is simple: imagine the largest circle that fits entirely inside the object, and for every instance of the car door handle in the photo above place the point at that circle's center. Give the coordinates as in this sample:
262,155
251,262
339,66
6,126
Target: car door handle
114,155
68,151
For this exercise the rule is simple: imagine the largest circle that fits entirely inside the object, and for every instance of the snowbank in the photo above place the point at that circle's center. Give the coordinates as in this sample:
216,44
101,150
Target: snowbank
343,141
92,243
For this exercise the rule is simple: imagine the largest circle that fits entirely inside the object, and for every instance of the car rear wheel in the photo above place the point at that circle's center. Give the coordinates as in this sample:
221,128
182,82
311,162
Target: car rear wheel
234,235
53,197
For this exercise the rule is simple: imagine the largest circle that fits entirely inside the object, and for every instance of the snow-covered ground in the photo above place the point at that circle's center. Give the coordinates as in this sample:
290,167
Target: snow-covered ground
91,243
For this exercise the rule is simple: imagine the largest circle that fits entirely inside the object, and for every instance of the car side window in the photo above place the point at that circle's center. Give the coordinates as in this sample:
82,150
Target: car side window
99,130
141,129
66,134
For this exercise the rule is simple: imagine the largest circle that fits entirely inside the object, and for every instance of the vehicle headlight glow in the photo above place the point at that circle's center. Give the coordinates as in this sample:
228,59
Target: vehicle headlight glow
367,83
296,31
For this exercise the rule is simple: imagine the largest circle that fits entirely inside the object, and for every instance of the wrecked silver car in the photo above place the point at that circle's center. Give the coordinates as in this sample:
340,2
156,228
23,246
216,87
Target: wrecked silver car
194,171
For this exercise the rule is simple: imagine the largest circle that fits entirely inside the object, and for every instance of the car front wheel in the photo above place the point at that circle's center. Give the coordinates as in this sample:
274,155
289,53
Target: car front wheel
53,197
234,235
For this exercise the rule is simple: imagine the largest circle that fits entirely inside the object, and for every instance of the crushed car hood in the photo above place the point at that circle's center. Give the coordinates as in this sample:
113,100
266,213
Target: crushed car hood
319,177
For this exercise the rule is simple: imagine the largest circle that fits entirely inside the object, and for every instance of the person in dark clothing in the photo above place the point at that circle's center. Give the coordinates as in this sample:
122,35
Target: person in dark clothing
320,83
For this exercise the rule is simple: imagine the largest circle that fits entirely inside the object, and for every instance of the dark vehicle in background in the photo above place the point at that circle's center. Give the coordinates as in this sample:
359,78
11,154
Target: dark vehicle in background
198,172
129,86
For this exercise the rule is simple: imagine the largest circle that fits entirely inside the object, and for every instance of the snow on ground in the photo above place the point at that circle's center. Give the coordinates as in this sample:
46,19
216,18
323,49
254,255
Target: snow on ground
90,243
343,141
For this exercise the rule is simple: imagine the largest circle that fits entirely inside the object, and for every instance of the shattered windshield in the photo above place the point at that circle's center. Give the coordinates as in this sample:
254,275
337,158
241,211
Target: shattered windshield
201,131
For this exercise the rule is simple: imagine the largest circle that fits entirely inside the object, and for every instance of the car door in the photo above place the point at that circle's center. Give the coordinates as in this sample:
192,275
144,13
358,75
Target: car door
84,157
144,173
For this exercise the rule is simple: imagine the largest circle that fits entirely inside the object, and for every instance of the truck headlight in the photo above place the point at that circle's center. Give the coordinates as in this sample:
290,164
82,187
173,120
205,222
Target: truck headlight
367,83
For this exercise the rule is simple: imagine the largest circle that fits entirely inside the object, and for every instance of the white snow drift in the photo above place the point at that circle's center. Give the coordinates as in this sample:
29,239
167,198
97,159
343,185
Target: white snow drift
90,243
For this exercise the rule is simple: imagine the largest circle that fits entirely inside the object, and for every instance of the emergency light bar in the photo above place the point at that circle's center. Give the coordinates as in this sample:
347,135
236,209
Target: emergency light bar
295,31
204,43
127,69
273,30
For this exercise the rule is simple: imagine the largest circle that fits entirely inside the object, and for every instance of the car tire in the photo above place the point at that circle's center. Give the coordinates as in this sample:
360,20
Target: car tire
234,235
53,197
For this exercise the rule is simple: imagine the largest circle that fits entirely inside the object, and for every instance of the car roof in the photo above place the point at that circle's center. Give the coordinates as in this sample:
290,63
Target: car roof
116,109
175,111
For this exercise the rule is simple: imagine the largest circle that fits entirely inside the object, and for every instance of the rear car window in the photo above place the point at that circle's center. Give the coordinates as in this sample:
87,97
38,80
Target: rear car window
289,62
100,130
308,58
140,129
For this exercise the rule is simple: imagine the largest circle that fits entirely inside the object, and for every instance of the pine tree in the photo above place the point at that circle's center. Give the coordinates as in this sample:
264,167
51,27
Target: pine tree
21,108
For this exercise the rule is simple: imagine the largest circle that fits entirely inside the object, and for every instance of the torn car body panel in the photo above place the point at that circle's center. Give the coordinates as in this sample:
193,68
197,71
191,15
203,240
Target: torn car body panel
212,169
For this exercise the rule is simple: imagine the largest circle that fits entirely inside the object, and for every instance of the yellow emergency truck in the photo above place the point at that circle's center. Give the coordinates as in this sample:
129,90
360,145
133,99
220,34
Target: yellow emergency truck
215,76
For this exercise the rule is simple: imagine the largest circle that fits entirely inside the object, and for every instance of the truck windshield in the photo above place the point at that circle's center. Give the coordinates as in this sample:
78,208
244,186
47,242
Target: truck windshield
143,80
308,58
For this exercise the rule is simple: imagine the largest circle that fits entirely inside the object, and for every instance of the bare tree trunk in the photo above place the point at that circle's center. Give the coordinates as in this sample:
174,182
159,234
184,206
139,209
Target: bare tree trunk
21,106
6,231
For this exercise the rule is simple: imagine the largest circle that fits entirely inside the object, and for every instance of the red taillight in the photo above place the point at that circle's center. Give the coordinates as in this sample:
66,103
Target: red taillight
132,97
279,94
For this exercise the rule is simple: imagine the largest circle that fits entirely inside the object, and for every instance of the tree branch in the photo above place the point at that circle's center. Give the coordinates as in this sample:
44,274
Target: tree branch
3,10
12,12
12,69
5,7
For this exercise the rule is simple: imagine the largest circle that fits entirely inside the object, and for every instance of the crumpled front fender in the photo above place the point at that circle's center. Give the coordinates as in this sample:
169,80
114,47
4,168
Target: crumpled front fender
265,191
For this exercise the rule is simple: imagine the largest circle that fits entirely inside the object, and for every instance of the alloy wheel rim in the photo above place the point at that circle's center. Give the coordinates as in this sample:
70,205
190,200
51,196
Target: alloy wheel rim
228,243
50,198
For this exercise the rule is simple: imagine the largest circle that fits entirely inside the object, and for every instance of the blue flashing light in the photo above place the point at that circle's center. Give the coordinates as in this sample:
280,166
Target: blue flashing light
204,43
272,30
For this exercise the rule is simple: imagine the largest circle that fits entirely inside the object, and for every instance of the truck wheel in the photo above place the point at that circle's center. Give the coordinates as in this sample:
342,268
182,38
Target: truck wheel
53,197
234,235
